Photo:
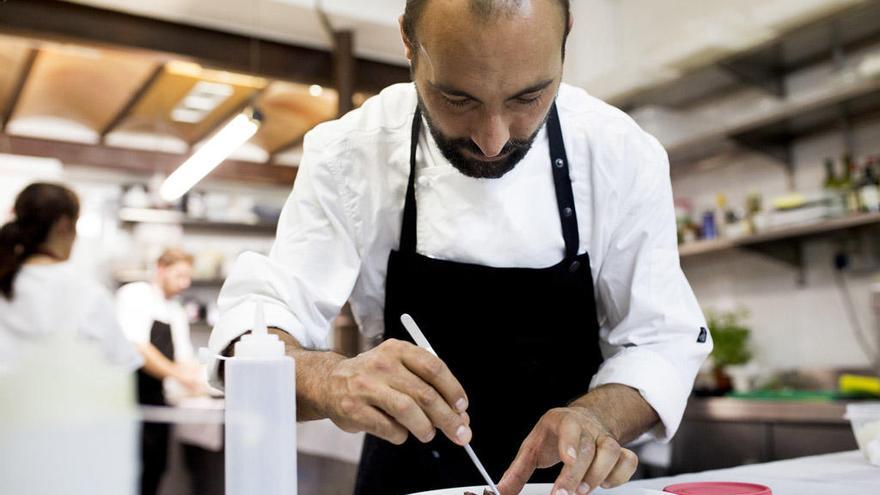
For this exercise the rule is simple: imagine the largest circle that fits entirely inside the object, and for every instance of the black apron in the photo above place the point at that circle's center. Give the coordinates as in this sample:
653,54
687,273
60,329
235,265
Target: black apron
520,340
154,436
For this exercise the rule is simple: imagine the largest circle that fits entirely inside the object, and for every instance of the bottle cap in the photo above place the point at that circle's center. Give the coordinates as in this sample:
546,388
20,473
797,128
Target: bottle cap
259,343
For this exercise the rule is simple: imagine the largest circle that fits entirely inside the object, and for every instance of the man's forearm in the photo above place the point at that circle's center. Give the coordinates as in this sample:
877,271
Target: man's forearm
621,409
311,368
155,363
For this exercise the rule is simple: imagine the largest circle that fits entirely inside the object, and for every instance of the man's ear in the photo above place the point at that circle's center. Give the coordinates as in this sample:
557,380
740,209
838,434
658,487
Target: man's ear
407,45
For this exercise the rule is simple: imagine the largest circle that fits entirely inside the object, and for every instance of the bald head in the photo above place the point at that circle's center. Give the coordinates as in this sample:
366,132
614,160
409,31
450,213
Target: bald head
481,10
487,73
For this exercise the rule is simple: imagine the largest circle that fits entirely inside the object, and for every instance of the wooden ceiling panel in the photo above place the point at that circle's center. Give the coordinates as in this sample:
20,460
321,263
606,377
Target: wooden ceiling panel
153,113
13,58
291,110
82,85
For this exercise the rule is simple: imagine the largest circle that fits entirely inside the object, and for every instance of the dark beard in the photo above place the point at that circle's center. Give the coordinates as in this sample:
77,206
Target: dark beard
452,150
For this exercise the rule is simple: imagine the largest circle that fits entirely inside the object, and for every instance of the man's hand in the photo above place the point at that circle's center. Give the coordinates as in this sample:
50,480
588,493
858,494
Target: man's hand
591,455
191,378
396,389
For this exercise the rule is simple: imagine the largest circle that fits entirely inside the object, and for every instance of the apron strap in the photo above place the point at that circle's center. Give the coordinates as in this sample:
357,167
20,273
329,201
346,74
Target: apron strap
408,236
561,181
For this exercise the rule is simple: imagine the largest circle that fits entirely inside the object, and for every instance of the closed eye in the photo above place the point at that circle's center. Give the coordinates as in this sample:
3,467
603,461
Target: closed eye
529,99
457,102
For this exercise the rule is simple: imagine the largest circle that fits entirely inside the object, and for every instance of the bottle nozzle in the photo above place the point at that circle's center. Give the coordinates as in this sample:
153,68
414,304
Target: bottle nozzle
260,320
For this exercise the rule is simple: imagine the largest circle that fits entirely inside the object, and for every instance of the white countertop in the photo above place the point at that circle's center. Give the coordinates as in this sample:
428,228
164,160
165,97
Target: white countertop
846,473
842,473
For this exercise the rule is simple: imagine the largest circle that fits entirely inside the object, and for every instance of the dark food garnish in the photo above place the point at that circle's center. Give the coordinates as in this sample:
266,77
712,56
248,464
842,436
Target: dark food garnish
485,492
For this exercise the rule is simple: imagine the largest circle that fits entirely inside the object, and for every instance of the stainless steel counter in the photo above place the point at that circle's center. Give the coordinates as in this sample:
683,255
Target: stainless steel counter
765,411
726,432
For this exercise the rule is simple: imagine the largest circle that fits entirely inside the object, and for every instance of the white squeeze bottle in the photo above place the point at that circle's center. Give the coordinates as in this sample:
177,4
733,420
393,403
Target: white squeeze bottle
260,415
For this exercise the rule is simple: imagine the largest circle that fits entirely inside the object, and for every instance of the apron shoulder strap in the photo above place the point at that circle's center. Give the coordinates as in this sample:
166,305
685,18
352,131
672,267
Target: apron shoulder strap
408,237
562,183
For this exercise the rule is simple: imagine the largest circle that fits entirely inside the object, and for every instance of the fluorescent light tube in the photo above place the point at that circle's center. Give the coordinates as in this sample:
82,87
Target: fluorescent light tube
208,156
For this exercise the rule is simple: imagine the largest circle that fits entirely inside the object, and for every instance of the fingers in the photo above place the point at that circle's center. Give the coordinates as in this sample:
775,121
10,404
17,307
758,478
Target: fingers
607,454
434,372
398,406
524,464
362,417
623,470
576,451
407,412
439,413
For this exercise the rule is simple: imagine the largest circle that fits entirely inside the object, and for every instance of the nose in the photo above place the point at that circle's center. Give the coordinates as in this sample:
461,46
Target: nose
491,135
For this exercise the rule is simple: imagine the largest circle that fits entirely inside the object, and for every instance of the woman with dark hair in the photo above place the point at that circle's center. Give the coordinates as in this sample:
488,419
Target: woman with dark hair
40,293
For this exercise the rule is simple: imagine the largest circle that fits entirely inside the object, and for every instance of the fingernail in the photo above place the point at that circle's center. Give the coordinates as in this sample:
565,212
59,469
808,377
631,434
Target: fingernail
461,405
463,433
430,436
584,489
571,453
562,491
606,485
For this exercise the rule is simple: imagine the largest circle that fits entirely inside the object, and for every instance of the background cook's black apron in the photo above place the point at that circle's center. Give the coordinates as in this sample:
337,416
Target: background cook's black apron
154,436
520,340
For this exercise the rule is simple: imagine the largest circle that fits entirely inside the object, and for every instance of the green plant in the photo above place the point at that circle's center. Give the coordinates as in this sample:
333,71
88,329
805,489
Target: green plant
730,336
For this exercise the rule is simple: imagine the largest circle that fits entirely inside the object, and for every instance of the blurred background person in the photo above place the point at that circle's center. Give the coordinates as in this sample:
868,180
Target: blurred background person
41,295
154,319
65,413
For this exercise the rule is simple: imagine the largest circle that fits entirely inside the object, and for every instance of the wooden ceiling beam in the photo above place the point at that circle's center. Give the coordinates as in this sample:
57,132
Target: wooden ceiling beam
140,161
20,83
130,104
293,143
73,22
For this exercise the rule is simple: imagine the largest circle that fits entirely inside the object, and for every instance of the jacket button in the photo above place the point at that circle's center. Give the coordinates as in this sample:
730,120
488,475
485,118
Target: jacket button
567,211
574,266
559,163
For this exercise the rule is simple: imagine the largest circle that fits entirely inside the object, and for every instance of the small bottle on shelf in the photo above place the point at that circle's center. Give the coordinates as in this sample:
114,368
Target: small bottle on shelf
709,230
756,221
832,189
721,215
848,186
869,186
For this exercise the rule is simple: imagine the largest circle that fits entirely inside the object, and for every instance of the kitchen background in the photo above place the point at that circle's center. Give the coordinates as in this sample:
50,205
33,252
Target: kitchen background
751,99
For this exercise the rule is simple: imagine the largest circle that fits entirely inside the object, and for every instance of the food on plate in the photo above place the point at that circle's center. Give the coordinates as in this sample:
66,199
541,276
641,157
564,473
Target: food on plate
485,492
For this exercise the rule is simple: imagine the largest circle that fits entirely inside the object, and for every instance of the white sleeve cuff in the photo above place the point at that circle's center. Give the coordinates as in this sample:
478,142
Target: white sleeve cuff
656,379
239,319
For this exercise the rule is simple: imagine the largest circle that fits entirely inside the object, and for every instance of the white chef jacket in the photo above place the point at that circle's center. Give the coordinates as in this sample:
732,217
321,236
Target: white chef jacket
139,304
344,217
51,300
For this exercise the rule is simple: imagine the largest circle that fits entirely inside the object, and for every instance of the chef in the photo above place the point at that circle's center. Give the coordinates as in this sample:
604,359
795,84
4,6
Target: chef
526,226
155,321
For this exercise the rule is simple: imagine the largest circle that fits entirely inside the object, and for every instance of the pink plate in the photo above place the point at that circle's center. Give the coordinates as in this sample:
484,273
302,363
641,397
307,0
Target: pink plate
718,488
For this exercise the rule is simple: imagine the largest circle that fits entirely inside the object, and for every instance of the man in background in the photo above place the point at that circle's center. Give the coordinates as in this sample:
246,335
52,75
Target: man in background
155,321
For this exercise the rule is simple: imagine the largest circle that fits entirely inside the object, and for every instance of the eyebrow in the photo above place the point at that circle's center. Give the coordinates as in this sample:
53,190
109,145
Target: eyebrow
451,91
